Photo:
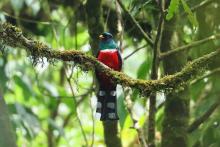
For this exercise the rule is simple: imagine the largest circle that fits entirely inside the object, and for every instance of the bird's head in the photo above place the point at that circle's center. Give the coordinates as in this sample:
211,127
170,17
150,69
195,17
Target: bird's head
107,41
106,36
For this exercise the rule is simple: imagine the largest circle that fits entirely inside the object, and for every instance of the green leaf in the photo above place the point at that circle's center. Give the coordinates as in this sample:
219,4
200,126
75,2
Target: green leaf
135,94
143,70
11,108
29,121
197,89
24,85
3,77
190,15
159,118
51,88
71,104
138,5
142,73
122,112
173,8
68,101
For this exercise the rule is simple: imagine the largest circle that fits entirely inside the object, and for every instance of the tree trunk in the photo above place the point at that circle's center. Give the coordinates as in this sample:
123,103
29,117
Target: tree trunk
176,113
95,23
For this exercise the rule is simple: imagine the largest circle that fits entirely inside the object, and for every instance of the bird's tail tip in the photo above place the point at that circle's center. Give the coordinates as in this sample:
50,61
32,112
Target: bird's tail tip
107,106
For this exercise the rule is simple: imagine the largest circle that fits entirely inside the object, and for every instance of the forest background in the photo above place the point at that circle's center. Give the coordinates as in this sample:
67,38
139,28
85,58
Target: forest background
48,102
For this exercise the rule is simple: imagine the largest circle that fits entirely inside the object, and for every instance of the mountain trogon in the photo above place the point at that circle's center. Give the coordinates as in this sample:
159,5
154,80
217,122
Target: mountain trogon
108,54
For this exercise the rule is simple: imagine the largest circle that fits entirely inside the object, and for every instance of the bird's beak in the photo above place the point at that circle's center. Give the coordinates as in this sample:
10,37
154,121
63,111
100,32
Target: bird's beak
101,37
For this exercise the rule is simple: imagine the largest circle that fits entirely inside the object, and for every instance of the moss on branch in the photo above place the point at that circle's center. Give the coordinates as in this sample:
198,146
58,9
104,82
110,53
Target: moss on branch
13,36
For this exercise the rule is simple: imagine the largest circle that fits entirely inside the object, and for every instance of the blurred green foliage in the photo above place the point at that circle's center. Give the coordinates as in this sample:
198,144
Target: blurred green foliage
39,98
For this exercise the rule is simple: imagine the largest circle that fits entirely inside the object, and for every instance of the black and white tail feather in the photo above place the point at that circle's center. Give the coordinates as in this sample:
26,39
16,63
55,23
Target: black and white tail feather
107,104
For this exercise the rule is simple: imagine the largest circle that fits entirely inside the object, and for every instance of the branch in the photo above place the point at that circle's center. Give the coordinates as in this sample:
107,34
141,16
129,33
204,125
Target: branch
129,55
198,6
119,25
129,105
93,125
217,70
203,118
145,36
75,102
53,115
12,36
154,76
201,5
189,46
26,20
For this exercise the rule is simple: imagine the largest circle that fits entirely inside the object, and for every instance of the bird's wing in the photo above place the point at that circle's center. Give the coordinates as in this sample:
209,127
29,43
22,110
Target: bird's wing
97,54
119,58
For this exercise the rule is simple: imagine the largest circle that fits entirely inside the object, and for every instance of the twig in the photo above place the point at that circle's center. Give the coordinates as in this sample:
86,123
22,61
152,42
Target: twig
106,21
129,105
26,20
145,36
206,75
83,96
132,53
201,5
189,46
93,125
154,76
68,117
77,116
203,118
119,25
12,36
54,113
50,135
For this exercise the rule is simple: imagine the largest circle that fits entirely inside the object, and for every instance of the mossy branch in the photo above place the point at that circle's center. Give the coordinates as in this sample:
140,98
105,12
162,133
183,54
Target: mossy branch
13,36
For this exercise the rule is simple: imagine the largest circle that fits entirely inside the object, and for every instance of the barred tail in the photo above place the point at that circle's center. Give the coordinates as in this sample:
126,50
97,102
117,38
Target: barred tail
107,105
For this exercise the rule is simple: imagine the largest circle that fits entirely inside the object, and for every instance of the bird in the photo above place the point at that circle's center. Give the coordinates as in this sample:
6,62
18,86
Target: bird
110,55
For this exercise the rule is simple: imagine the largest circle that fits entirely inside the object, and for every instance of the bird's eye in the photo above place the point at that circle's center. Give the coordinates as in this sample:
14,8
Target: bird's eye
105,36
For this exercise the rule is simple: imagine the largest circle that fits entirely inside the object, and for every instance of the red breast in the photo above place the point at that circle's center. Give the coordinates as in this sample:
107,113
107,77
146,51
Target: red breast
109,58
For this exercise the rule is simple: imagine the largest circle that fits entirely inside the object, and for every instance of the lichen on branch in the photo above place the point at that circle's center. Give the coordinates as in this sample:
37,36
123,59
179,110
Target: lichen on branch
13,36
